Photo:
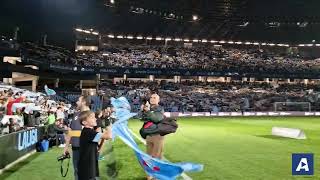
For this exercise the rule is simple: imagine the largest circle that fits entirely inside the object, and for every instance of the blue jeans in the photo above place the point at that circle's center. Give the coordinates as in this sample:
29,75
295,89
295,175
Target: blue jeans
75,160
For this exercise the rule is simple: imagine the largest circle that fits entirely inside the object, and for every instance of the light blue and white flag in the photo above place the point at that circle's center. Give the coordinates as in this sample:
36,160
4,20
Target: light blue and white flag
156,168
49,92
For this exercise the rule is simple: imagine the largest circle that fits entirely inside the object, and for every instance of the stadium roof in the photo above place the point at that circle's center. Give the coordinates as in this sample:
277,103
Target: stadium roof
285,21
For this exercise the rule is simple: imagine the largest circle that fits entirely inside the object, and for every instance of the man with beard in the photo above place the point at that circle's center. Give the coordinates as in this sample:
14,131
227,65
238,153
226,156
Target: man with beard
74,132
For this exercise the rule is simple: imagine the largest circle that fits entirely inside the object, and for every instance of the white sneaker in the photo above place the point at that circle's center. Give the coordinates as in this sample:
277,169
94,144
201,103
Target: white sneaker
62,145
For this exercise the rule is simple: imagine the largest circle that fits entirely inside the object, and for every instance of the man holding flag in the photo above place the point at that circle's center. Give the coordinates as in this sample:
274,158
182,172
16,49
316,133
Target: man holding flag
154,167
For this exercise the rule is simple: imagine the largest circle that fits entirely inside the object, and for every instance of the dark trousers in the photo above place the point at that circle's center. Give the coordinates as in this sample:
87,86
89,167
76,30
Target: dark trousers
75,160
61,138
97,178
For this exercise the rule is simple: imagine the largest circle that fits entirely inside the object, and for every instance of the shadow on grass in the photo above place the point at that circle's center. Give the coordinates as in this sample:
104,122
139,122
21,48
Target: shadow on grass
276,137
6,173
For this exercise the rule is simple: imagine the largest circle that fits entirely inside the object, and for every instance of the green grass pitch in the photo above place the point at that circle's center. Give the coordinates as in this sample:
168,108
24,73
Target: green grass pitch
229,148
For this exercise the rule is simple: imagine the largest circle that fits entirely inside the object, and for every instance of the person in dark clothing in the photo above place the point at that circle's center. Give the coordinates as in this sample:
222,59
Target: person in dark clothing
88,168
57,130
98,115
25,117
30,119
13,125
154,113
73,135
98,128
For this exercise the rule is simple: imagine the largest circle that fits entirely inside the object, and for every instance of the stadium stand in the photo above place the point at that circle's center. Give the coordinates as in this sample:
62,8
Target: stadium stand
232,59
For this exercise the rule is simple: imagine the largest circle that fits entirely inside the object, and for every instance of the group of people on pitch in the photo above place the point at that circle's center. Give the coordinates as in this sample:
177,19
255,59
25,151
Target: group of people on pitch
86,139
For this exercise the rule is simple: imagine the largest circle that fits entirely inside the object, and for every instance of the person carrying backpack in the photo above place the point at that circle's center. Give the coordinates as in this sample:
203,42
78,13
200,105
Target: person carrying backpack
152,114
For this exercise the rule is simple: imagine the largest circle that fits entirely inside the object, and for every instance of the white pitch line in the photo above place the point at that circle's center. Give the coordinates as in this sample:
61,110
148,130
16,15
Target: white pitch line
183,175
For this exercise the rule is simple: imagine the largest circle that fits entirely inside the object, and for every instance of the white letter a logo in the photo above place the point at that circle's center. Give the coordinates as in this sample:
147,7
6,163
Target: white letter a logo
303,164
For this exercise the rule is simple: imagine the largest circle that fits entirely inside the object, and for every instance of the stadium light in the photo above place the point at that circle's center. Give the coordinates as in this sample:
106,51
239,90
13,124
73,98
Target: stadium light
10,39
204,40
247,43
79,30
230,42
309,45
301,45
86,31
238,42
139,37
129,37
110,36
95,33
263,44
168,39
177,39
317,44
195,17
222,42
149,38
256,43
283,45
213,41
186,40
271,44
195,40
120,37
158,38
112,1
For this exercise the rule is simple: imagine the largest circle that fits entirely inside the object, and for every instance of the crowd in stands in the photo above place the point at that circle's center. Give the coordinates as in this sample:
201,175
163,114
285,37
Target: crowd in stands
208,57
21,109
193,96
218,96
46,53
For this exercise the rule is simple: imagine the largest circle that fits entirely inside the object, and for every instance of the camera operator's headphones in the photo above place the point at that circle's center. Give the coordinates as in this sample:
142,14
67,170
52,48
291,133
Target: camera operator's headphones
61,168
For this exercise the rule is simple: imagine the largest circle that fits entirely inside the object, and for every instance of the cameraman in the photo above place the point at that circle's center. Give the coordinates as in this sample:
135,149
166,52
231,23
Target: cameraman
155,113
74,132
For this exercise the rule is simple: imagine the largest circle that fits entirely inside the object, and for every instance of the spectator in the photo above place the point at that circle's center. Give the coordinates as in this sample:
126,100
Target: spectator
74,132
51,118
88,162
153,112
56,131
13,126
11,102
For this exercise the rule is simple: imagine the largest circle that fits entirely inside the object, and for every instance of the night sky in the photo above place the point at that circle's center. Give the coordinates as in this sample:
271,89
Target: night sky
57,18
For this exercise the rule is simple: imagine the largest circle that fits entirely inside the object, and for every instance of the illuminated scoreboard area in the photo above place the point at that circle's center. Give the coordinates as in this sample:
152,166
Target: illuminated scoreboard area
86,40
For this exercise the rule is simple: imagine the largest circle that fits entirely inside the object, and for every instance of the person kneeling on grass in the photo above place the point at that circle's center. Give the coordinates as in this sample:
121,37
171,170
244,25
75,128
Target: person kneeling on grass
88,168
